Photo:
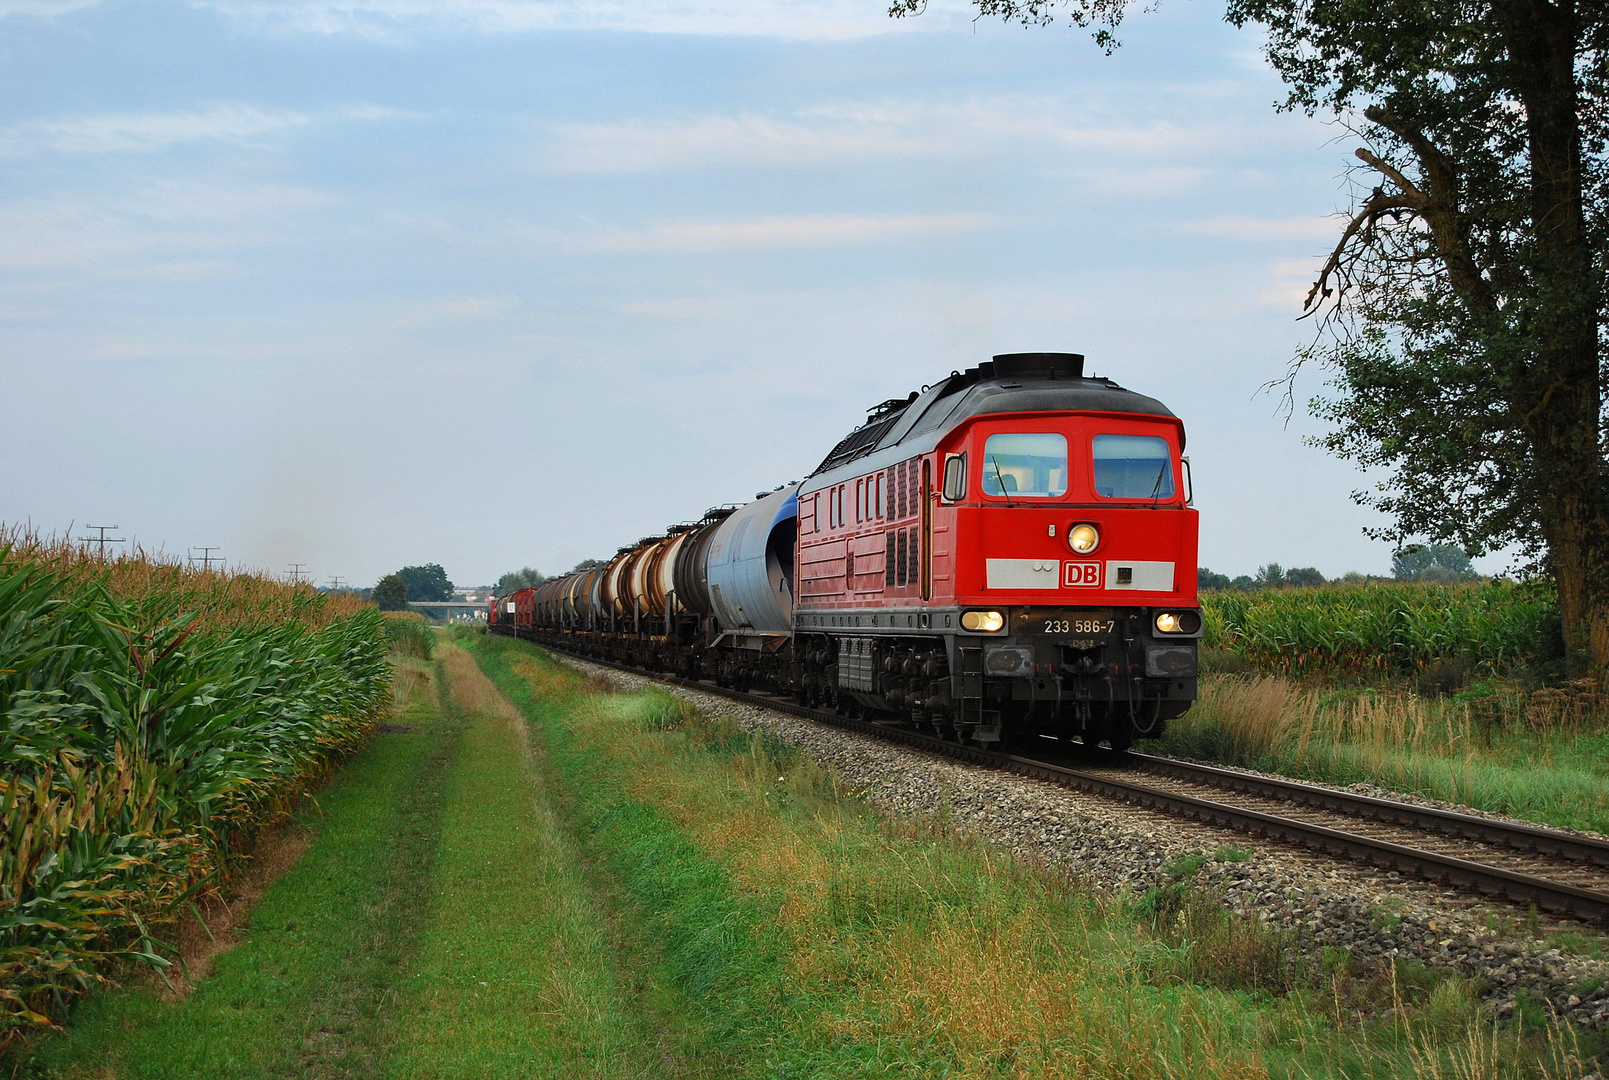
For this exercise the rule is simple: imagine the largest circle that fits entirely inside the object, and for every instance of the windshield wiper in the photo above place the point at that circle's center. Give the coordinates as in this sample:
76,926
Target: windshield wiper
1001,480
1156,488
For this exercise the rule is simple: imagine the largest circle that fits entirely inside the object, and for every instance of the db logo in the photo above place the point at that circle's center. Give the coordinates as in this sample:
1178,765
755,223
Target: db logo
1082,575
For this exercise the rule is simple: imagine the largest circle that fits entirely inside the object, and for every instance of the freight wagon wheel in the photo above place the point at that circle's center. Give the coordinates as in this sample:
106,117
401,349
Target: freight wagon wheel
1121,736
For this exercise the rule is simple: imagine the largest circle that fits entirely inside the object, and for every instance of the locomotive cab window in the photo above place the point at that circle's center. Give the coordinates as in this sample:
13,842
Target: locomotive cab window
1133,467
955,477
1025,465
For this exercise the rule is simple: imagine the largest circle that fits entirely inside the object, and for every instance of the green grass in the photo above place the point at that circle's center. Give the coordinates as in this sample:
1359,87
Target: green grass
1427,746
440,925
585,883
802,934
514,974
409,634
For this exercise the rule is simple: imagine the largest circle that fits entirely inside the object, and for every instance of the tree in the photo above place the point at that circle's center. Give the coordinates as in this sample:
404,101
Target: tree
1207,581
588,564
1432,562
1303,576
1271,576
515,580
1463,303
391,593
1463,306
428,582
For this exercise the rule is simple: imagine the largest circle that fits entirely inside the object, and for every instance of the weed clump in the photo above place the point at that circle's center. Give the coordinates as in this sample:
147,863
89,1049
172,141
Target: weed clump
1195,938
408,634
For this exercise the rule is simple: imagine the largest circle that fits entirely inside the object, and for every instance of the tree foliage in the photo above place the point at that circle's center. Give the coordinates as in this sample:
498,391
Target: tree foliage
1436,563
1271,576
428,582
1462,311
1463,305
525,578
391,593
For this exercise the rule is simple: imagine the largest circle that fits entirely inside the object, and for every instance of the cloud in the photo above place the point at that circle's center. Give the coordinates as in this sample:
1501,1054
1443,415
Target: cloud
403,19
689,307
644,146
469,307
827,134
43,9
1241,228
1291,280
825,230
134,133
173,222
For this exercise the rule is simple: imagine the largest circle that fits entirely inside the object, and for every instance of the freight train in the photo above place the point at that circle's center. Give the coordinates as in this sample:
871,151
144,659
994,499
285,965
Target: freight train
1006,556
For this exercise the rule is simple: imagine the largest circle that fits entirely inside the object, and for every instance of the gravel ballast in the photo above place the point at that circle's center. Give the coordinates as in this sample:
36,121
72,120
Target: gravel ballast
1373,915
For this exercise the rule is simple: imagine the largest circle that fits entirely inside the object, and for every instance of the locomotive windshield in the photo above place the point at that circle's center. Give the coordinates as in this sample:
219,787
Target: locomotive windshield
1029,465
1133,467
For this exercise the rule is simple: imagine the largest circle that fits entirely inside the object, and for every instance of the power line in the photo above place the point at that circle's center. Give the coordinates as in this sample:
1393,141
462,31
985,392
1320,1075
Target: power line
207,558
102,539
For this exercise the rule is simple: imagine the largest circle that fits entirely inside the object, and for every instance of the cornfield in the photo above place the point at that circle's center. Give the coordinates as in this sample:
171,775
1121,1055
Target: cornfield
152,720
1383,627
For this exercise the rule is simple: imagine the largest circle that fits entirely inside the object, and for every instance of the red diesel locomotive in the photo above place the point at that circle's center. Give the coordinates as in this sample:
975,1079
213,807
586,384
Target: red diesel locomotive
1010,553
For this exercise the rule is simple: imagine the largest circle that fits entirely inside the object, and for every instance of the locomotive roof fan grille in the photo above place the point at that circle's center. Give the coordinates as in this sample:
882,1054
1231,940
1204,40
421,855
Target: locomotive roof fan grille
1049,365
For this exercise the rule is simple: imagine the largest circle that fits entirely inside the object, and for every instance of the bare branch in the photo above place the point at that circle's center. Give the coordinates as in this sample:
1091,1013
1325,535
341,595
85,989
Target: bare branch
1440,207
1363,221
1374,160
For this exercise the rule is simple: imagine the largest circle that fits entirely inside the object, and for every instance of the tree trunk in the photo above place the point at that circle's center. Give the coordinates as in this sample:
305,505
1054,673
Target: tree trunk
1557,396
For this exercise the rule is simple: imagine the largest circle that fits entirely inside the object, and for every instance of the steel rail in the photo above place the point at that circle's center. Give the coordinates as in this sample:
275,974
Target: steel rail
1522,837
1554,896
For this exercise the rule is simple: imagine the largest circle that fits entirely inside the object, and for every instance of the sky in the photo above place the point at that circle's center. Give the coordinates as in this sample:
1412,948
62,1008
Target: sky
505,283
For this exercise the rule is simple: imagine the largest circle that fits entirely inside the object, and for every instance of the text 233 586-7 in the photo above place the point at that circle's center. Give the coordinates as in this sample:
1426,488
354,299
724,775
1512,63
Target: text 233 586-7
1081,623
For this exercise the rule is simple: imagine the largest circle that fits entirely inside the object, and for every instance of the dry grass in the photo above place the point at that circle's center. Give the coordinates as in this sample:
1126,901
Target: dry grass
1538,755
951,947
410,683
847,944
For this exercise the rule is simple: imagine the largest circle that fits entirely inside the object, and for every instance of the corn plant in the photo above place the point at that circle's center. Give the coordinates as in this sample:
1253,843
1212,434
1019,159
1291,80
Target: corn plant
151,721
1384,627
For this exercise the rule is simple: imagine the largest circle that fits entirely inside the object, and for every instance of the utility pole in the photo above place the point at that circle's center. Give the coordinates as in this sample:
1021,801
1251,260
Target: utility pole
297,573
207,558
336,584
102,539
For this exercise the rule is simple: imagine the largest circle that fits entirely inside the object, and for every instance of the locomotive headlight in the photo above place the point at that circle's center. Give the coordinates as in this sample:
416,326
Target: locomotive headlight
1178,622
986,621
1083,538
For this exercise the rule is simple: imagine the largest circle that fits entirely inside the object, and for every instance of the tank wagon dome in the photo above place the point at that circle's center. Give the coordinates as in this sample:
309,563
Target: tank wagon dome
1010,383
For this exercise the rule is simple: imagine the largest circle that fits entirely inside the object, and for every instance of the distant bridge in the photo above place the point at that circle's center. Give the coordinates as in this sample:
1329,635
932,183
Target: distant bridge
474,610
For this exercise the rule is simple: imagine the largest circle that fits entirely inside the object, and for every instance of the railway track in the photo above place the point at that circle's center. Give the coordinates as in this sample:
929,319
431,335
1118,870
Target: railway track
1559,872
